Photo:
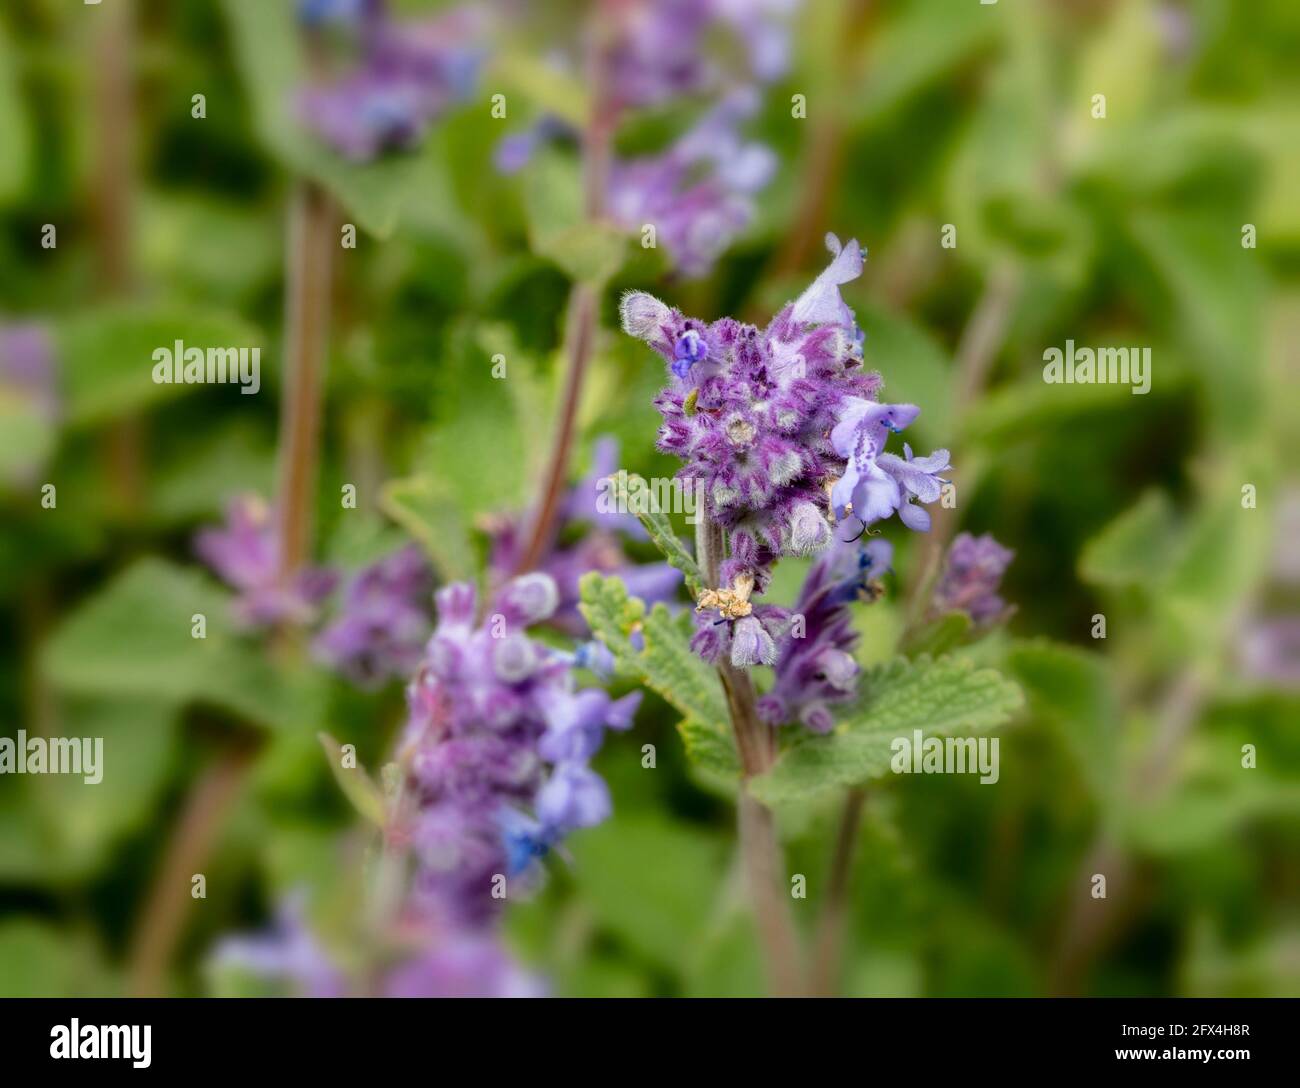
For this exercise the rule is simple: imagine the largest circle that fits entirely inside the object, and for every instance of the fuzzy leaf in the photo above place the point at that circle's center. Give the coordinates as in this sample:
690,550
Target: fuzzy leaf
666,665
635,494
940,697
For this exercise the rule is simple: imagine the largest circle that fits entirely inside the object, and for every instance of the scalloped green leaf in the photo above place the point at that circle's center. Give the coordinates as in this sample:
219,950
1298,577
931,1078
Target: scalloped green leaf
939,698
664,664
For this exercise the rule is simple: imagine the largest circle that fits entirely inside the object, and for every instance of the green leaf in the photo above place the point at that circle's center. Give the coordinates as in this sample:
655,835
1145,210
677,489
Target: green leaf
422,506
649,882
557,228
1071,689
106,354
937,636
636,495
550,89
665,664
133,640
14,129
1135,548
938,697
357,786
43,961
710,748
27,437
269,50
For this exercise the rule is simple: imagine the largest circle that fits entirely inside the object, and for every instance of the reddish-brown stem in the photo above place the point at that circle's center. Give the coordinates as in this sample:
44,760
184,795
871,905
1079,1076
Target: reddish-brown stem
307,298
160,922
584,303
582,317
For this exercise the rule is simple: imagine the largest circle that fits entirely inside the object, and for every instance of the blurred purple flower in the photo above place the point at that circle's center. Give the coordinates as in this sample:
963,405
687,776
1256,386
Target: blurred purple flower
490,709
598,548
698,194
244,554
288,953
383,620
462,965
1270,651
969,583
27,366
816,667
406,76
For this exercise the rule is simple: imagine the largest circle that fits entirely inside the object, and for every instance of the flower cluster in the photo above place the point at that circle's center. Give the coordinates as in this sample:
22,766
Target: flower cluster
698,193
245,553
816,667
782,427
499,741
972,572
383,620
400,78
495,759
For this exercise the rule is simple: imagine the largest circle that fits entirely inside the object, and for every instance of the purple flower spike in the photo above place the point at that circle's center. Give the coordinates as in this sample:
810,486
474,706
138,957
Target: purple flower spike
762,419
972,572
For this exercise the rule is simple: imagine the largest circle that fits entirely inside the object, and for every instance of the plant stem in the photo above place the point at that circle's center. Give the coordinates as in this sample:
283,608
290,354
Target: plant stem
583,311
830,927
160,922
123,444
584,303
307,298
760,849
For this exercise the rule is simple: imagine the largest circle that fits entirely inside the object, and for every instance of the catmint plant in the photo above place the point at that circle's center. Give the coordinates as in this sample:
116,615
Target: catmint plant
383,620
491,774
784,431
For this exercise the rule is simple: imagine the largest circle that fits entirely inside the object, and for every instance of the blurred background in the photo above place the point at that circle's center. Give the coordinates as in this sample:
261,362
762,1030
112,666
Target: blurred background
133,214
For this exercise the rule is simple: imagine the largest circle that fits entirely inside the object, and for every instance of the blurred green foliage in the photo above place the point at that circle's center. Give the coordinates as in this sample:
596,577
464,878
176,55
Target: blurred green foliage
1122,230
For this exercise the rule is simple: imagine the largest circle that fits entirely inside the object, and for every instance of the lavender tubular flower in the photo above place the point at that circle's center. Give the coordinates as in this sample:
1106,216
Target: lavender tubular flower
490,709
244,553
817,669
972,572
383,621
